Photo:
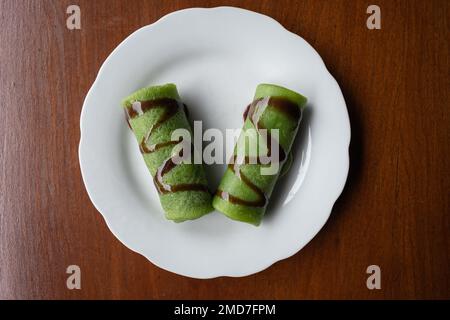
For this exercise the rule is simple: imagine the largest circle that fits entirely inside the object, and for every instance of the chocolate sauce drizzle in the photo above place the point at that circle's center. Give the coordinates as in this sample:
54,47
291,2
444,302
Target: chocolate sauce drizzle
170,107
254,112
164,188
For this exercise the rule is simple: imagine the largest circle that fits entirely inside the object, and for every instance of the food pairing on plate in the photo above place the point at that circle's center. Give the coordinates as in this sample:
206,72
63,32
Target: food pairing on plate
261,153
281,168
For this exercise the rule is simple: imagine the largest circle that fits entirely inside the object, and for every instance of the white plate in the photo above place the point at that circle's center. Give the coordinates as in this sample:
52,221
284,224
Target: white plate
216,57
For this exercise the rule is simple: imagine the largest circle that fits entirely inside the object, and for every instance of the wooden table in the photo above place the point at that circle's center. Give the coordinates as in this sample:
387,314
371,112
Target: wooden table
394,211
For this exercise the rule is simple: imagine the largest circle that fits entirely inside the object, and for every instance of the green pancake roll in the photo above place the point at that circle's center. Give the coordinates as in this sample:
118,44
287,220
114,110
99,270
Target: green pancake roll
244,191
153,114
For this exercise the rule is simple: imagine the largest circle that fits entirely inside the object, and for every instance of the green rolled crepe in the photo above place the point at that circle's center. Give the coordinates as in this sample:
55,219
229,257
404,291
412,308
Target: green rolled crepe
245,189
153,114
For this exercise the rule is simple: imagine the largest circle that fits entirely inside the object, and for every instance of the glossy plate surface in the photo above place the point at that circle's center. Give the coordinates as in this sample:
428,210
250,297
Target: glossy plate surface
216,57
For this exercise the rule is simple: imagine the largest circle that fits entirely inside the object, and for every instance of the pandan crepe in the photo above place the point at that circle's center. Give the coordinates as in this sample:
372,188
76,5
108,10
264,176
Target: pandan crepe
245,189
153,114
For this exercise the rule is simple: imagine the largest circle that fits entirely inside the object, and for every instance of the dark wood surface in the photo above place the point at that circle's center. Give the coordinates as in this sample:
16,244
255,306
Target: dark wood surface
394,211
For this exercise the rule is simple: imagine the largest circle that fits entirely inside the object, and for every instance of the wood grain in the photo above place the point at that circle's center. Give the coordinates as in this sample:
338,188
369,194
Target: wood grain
394,211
